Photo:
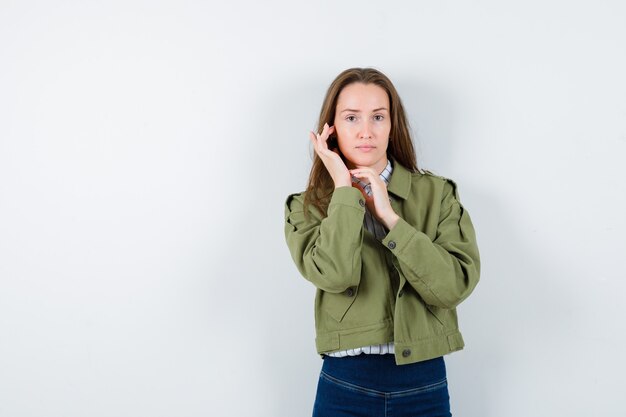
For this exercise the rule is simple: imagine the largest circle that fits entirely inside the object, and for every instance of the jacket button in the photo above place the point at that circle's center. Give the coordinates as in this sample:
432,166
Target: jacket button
391,244
362,202
406,353
350,292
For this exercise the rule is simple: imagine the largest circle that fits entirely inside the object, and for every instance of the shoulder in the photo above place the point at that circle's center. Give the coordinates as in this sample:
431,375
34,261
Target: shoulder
296,211
295,201
446,186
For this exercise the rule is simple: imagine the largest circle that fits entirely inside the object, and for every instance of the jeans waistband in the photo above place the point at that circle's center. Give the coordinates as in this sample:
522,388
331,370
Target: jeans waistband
380,372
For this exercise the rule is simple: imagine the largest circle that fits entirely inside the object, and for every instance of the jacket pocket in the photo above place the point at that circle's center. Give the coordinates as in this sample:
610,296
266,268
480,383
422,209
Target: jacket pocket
439,313
337,304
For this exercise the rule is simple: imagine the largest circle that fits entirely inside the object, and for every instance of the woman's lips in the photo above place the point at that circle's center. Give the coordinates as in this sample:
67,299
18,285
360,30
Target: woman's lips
365,148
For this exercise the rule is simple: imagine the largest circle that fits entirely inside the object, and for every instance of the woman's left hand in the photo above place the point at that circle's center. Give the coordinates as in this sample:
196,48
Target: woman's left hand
378,203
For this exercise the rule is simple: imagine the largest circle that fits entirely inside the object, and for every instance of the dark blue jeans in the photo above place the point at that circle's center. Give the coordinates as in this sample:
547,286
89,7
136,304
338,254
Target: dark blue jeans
373,385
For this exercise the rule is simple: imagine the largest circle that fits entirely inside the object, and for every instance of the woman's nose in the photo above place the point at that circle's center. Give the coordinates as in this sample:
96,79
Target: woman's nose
366,131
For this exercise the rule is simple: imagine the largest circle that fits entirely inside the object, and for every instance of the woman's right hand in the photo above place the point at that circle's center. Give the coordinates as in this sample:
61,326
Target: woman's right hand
331,158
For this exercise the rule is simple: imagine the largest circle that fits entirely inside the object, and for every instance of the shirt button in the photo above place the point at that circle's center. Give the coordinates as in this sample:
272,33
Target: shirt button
406,353
362,202
350,292
391,244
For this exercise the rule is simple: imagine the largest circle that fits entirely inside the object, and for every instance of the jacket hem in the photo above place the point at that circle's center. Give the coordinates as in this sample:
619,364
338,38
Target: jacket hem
406,352
354,338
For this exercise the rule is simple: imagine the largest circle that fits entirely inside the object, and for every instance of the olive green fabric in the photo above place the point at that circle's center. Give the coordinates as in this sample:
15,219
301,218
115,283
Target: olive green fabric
403,288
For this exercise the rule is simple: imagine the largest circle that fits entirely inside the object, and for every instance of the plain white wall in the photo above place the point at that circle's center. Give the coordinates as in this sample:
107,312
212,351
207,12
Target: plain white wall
147,147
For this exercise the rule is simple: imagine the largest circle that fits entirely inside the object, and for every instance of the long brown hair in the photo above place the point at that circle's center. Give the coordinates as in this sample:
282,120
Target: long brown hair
320,185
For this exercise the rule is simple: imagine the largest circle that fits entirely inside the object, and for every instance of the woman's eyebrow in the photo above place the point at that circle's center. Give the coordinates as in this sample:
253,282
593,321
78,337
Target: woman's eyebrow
358,111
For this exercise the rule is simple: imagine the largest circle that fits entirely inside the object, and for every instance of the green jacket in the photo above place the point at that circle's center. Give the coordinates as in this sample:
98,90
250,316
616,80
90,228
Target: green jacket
403,288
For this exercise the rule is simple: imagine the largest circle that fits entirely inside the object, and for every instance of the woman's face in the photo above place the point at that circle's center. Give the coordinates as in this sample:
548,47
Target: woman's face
362,125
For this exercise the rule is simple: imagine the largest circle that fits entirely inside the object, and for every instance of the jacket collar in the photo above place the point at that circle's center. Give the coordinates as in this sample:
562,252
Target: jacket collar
400,182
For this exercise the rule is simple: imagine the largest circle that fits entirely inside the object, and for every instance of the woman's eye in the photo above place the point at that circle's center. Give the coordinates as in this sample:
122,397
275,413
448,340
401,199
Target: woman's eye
351,118
379,117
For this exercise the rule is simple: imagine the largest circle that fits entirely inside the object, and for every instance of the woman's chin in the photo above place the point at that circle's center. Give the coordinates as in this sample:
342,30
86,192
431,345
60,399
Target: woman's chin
363,160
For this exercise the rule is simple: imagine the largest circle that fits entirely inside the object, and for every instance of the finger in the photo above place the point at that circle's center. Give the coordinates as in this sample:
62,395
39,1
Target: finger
364,169
317,146
320,144
319,139
323,141
377,185
324,129
368,179
325,132
363,174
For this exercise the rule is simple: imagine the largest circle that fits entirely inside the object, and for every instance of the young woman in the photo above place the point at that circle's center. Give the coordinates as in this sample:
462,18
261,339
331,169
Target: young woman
391,251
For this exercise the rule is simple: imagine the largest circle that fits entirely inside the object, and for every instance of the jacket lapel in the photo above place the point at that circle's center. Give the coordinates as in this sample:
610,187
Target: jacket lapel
400,181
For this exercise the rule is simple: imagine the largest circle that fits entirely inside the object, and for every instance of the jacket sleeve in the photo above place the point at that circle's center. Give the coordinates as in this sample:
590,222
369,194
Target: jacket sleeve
444,271
327,251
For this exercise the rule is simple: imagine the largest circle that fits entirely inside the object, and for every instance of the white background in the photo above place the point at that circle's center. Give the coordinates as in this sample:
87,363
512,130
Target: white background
147,147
